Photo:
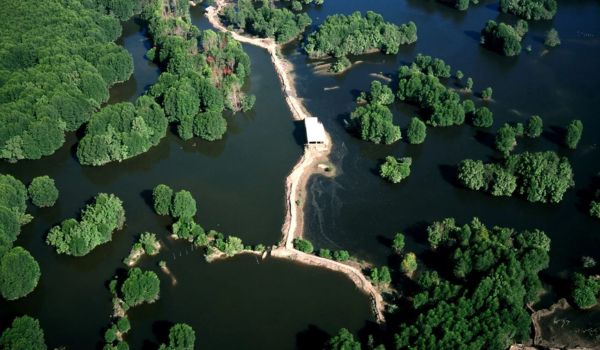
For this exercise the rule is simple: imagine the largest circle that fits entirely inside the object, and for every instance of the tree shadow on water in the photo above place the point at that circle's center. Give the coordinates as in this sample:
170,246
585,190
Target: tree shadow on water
587,194
485,138
448,173
148,199
311,338
473,35
555,134
160,329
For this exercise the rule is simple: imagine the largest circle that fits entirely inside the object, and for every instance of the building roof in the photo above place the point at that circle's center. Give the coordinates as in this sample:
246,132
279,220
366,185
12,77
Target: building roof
315,131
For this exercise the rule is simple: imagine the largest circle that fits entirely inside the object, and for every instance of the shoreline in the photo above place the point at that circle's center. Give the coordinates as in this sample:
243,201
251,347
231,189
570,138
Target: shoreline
308,165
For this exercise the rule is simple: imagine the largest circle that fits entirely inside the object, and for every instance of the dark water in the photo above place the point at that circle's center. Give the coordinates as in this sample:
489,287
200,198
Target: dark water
239,186
360,212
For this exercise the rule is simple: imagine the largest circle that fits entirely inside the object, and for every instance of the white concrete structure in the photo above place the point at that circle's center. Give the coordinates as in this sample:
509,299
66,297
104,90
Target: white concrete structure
315,131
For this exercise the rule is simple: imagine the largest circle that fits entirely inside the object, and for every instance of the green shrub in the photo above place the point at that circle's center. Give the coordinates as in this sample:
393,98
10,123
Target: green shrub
43,191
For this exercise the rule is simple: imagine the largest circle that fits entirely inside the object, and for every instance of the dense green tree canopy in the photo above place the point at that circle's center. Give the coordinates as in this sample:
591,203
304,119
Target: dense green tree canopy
479,300
409,263
19,273
204,74
122,9
433,66
181,337
378,94
98,221
58,59
344,340
440,105
140,287
24,333
483,118
209,126
503,38
530,9
43,191
374,122
586,290
372,119
416,132
266,20
342,35
573,135
535,126
506,139
539,177
303,245
184,205
13,203
395,170
121,131
162,196
398,243
552,39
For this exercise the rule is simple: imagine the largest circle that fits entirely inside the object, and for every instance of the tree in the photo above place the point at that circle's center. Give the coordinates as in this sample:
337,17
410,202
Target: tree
303,245
459,74
595,209
395,170
535,126
341,255
98,221
486,93
573,135
149,243
344,340
540,176
384,276
140,287
24,333
530,9
398,243
588,262
379,94
409,264
43,192
462,5
482,305
19,273
210,126
472,174
181,337
55,84
483,118
506,139
343,35
469,85
417,131
266,20
585,291
325,253
184,205
374,122
503,38
552,39
504,183
162,196
123,324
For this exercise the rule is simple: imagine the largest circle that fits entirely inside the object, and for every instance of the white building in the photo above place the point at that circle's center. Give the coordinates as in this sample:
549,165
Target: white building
315,131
